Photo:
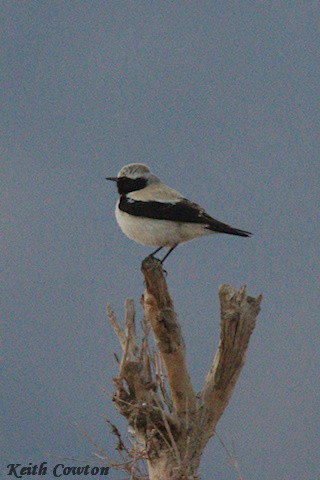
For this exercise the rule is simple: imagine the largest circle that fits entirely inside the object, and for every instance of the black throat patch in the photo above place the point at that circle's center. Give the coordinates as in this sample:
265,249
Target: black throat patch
127,185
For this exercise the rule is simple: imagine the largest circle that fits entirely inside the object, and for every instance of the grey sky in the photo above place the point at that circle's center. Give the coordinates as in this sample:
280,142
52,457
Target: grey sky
221,100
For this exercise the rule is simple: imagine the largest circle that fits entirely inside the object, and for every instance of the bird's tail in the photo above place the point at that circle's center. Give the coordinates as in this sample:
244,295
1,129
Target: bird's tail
223,228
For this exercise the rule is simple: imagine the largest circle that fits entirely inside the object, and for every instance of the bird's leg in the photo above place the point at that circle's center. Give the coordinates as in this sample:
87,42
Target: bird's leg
168,253
156,251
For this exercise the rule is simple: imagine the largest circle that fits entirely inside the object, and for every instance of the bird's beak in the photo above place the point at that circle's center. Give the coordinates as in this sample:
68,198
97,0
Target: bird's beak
113,179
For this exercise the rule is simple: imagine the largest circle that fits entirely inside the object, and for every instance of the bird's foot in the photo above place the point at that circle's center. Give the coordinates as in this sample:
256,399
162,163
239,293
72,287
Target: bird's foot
158,260
154,258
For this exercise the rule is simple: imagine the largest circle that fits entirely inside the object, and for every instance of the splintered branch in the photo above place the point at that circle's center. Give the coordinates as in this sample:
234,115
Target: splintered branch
160,314
154,392
134,396
238,319
131,367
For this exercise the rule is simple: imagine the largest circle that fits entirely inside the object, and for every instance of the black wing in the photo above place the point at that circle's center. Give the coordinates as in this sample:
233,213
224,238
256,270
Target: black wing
183,211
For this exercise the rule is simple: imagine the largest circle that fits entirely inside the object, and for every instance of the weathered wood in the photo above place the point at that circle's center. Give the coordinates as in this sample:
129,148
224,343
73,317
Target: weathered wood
171,424
238,319
159,312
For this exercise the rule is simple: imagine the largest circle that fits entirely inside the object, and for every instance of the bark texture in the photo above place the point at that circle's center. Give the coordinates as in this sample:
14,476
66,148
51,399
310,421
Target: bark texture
171,425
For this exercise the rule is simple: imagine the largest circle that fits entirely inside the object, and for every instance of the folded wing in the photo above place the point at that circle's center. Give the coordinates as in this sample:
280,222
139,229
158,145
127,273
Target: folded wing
182,211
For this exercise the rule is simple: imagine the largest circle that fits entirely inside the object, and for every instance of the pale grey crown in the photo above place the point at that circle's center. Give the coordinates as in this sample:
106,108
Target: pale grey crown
138,170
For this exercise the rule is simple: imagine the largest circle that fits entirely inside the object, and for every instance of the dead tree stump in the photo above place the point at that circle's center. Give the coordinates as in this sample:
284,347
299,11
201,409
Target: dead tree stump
170,423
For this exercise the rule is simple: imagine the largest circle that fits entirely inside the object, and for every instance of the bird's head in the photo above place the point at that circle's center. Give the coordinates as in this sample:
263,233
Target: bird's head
132,177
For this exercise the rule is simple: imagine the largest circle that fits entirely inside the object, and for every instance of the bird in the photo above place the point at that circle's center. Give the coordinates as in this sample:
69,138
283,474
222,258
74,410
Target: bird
153,214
